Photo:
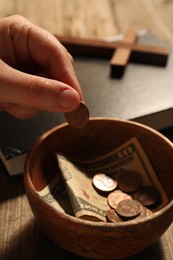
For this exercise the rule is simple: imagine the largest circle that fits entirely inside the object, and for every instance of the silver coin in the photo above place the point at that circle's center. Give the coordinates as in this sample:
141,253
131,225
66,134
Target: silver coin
104,182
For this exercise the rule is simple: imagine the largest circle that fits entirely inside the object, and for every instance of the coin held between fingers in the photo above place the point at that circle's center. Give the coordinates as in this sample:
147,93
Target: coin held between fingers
79,117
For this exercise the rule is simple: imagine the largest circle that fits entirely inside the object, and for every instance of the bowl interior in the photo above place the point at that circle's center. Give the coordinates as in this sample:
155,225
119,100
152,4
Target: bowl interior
99,137
112,240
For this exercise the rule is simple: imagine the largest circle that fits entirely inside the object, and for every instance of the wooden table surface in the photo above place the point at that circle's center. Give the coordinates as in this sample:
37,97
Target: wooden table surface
20,235
95,18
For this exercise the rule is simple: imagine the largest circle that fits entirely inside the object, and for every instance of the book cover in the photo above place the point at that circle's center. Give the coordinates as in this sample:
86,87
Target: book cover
17,136
144,94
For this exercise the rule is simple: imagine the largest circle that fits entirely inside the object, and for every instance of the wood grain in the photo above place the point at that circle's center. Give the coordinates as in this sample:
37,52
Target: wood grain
20,235
95,18
76,236
146,54
121,55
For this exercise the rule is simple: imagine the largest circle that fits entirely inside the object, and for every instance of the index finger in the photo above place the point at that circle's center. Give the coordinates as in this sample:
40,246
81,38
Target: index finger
45,50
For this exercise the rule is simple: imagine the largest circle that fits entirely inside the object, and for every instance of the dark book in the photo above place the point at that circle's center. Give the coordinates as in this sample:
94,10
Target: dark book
17,136
144,94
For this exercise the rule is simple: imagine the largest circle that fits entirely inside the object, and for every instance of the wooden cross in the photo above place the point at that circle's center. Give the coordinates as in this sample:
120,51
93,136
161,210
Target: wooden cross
119,53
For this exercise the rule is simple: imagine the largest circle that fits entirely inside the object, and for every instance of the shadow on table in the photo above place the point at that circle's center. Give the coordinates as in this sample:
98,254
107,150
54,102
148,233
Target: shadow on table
32,243
10,187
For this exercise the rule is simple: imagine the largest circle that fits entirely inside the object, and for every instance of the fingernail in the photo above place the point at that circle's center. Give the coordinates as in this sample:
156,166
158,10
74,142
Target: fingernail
68,99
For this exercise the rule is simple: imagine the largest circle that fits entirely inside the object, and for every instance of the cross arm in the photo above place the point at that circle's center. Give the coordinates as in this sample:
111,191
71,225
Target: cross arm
142,53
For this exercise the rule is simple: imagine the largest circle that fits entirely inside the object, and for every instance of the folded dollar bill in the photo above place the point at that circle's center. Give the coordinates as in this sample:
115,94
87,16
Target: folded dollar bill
71,190
86,202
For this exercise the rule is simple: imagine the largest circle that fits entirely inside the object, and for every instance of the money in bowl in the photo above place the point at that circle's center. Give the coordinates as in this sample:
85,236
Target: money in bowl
65,175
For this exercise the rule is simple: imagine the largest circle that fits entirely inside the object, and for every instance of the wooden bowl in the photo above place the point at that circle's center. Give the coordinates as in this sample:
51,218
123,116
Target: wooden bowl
90,239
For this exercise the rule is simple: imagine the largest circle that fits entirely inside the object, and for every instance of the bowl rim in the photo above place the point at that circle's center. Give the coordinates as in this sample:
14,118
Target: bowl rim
29,187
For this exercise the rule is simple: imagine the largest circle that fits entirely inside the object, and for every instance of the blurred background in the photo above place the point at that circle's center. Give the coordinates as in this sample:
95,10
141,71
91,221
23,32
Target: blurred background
20,235
95,18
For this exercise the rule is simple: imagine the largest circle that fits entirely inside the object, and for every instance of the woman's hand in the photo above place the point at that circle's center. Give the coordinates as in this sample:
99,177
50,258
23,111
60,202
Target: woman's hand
36,71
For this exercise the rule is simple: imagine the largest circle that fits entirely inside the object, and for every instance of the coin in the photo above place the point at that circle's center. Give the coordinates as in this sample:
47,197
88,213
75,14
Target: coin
115,197
129,208
147,195
145,212
112,216
104,182
79,117
129,181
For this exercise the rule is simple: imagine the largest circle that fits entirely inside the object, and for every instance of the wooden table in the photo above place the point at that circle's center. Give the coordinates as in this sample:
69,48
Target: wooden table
95,18
20,235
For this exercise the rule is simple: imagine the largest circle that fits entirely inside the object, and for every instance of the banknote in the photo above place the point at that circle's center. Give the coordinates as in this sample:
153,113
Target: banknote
72,190
56,196
86,202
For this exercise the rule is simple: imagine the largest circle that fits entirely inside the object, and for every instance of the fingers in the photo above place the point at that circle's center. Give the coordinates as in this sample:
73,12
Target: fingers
24,95
35,92
44,49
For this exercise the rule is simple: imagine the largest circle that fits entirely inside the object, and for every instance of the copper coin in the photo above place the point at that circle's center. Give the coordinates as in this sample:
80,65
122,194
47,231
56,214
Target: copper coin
79,117
147,195
129,181
115,197
144,213
129,208
112,216
103,182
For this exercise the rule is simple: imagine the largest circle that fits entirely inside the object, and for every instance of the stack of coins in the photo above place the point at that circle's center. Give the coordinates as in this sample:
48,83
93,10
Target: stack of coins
127,197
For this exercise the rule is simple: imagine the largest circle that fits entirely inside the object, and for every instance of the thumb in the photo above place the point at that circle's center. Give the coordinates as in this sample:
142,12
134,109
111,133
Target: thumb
33,91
